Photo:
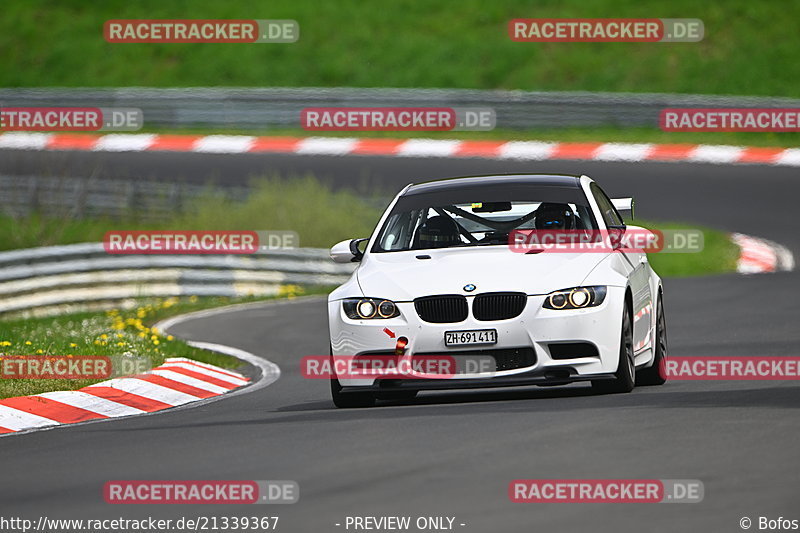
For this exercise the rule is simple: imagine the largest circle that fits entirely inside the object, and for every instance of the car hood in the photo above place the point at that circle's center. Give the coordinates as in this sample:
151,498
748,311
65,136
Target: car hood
401,276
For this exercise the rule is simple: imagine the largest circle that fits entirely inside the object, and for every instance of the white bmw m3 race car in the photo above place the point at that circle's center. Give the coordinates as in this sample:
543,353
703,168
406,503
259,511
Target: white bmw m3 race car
439,277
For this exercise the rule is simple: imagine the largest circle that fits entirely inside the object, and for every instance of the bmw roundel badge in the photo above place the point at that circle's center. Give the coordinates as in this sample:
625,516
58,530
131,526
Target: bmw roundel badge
469,287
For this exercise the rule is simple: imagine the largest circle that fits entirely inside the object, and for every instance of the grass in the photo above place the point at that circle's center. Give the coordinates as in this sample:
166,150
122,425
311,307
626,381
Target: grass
320,215
718,256
126,336
748,47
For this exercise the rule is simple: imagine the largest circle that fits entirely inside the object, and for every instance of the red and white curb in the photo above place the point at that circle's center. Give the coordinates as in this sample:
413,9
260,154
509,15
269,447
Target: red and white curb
177,382
760,255
505,150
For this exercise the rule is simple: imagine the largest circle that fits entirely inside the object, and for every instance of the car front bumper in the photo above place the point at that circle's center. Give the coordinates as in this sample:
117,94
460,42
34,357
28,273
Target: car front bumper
537,328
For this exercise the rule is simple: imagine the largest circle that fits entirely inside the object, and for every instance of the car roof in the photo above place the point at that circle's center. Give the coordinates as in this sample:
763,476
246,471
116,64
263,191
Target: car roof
494,180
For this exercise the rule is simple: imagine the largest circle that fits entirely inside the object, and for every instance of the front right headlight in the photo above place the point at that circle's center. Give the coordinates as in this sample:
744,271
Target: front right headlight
575,298
369,308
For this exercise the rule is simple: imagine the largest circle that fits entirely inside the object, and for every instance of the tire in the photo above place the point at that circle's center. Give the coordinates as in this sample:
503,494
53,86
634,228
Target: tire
625,376
349,400
656,374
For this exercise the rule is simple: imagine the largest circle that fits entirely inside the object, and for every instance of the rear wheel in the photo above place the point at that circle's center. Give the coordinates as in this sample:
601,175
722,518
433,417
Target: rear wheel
625,376
657,374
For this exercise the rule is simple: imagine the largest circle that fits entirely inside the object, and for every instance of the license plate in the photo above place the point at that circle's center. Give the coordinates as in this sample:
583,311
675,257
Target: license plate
470,337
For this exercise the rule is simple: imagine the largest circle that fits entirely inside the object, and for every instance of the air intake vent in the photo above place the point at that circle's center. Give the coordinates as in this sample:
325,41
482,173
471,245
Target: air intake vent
572,350
504,358
442,309
498,305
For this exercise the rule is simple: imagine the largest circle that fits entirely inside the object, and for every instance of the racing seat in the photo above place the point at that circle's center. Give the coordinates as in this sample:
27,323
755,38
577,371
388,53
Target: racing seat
440,231
553,216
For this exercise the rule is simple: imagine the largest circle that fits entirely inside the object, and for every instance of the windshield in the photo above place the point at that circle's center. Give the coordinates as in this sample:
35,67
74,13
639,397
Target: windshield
426,221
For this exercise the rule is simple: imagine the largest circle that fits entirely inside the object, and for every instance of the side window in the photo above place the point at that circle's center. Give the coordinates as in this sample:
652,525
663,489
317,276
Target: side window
610,215
398,231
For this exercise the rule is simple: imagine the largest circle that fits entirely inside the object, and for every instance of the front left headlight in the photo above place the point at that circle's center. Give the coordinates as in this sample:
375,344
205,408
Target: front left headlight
369,308
575,298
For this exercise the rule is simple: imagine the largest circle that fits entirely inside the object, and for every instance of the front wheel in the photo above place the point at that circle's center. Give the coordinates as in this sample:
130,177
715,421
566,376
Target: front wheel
657,374
625,376
348,400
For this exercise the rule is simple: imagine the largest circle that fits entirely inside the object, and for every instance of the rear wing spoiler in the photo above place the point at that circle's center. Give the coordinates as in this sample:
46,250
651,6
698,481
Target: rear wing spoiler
624,206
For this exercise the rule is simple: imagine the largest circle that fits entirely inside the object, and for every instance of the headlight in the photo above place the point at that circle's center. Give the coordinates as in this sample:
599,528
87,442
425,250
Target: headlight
576,297
368,308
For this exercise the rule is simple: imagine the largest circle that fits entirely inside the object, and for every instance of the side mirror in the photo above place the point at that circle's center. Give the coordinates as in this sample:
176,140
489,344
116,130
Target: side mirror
624,206
347,251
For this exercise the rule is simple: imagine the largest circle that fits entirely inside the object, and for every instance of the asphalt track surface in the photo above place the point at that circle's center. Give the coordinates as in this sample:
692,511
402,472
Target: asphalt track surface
454,453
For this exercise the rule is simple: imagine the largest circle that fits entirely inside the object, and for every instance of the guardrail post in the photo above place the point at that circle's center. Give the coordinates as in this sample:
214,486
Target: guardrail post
175,198
131,194
32,202
79,205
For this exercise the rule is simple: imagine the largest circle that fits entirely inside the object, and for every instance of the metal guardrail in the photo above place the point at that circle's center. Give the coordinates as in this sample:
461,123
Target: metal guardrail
51,279
87,197
259,108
